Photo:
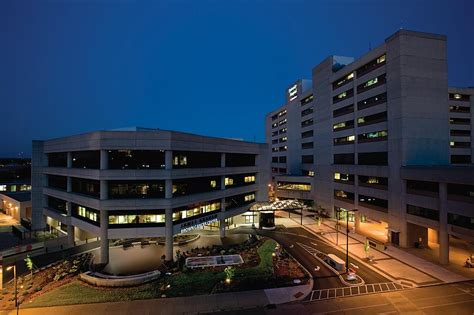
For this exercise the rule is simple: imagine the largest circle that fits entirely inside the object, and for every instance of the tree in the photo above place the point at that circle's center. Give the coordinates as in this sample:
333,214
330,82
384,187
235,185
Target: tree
366,248
29,264
229,273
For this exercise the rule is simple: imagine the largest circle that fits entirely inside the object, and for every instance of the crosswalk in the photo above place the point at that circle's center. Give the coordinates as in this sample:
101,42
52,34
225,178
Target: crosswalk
326,294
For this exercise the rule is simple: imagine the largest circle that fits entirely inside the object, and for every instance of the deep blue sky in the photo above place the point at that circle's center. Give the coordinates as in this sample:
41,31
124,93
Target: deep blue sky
207,67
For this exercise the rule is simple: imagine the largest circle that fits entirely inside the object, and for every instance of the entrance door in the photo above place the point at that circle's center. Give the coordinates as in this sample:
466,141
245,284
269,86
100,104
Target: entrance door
395,238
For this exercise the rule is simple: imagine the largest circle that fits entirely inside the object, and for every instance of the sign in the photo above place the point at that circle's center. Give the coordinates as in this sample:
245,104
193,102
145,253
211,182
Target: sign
293,92
198,223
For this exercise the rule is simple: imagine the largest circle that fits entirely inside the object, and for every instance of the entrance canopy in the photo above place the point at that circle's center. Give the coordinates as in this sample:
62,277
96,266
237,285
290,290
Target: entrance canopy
289,204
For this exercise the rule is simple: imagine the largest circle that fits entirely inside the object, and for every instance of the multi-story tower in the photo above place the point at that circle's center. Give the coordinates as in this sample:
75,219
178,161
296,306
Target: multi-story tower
139,182
461,116
374,120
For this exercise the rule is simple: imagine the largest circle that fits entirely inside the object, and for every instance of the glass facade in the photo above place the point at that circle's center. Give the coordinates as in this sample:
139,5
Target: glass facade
293,186
189,186
86,214
194,159
241,159
136,218
195,210
86,187
240,180
86,159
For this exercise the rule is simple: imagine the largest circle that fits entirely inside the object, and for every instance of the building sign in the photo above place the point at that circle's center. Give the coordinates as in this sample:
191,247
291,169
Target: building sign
293,92
198,223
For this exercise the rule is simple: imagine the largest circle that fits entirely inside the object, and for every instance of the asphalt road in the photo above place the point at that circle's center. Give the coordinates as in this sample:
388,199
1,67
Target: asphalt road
443,299
324,278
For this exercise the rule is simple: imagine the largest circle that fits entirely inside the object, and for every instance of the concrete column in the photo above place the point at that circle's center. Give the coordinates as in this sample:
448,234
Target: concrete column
104,159
69,184
168,160
70,227
222,219
357,221
443,225
104,190
222,182
168,189
104,239
169,233
69,160
222,226
222,159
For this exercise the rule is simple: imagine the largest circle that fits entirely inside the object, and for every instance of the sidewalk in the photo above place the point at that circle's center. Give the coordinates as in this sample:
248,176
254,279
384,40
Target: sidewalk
393,263
182,305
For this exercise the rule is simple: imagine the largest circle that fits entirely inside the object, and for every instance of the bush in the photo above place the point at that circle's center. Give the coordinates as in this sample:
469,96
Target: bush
37,289
25,293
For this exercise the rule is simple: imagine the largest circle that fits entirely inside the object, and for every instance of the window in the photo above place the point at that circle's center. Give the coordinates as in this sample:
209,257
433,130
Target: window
86,159
459,109
274,133
307,134
374,64
460,133
132,189
307,111
239,200
343,110
342,96
343,125
374,82
461,221
372,136
307,173
373,158
57,205
293,186
239,180
136,218
423,187
344,140
136,159
274,116
281,113
373,203
459,121
458,97
372,119
307,159
58,182
193,210
343,178
283,148
230,181
307,145
461,192
283,130
460,159
275,124
344,195
196,159
373,182
189,186
85,213
250,179
3,187
274,141
282,159
342,81
282,122
57,159
283,139
344,158
239,159
423,212
86,186
307,123
459,144
372,101
307,100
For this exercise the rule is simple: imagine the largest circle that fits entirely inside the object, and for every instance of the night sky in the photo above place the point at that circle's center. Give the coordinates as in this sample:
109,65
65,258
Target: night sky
207,67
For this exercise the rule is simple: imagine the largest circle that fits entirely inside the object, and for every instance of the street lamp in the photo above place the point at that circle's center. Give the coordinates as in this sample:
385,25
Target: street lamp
347,238
16,289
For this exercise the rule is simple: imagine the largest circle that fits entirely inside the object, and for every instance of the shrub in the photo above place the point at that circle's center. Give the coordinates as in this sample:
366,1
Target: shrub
25,293
37,289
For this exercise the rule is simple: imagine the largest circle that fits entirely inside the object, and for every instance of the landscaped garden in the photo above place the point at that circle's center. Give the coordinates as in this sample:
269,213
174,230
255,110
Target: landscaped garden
265,265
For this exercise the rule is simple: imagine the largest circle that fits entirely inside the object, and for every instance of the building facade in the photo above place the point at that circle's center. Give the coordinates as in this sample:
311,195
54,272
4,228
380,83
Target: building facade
139,183
368,127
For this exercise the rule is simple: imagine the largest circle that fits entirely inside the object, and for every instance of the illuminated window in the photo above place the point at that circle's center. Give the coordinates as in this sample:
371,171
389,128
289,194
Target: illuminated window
381,59
249,179
3,187
229,181
250,197
311,173
180,160
213,183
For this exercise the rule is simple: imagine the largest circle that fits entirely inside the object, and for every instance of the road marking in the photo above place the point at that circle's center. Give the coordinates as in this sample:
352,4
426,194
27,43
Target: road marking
446,304
343,310
371,288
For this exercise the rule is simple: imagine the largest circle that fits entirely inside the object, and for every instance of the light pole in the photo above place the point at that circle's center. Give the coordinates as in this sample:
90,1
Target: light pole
347,239
16,289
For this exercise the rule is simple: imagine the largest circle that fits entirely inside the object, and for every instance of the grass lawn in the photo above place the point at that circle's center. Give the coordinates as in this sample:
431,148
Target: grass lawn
183,284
